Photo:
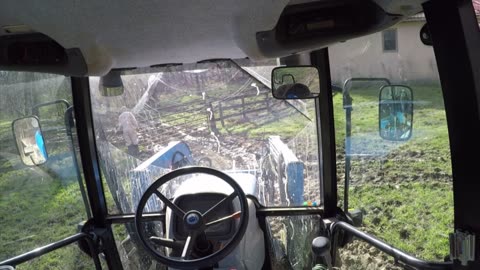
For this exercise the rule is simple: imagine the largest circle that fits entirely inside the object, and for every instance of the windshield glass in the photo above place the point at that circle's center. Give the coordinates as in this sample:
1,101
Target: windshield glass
213,114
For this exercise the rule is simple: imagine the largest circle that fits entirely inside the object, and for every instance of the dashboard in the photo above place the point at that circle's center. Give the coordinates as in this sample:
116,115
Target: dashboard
202,202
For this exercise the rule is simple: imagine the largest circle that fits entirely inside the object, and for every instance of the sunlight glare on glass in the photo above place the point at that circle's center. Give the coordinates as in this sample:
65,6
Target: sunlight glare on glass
195,71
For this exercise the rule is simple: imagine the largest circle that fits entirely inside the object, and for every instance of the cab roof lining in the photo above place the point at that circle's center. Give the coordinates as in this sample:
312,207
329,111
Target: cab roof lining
124,33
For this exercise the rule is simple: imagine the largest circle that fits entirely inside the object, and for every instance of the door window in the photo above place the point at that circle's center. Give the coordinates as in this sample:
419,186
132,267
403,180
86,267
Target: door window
402,184
42,203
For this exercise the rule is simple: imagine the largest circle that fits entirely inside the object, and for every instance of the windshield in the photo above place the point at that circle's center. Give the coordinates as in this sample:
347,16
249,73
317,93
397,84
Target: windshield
213,114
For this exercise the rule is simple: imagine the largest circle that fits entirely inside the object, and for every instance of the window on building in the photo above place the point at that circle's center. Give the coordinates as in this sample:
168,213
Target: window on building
389,38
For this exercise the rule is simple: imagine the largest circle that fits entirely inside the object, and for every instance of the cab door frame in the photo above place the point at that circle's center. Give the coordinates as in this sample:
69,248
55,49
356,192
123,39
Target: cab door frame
455,34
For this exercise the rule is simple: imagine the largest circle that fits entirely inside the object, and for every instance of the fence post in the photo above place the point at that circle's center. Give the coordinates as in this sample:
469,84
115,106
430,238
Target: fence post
267,101
243,108
220,109
211,119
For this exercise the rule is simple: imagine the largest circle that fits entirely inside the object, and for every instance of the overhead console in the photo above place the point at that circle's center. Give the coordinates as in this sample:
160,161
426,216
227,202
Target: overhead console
309,26
39,53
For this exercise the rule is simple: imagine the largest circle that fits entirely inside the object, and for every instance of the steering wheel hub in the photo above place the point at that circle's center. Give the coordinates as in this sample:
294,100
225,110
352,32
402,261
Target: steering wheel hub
193,220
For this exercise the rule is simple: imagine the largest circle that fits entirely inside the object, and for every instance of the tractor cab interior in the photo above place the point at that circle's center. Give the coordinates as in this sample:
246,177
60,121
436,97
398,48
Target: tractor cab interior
288,134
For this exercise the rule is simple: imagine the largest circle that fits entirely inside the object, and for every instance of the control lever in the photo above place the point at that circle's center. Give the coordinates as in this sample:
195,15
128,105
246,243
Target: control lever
321,249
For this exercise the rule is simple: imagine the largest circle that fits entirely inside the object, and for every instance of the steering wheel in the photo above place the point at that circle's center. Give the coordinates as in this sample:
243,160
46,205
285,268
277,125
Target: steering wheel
194,222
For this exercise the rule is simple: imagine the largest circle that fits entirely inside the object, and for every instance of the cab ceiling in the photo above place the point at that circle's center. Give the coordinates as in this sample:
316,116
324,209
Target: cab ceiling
126,33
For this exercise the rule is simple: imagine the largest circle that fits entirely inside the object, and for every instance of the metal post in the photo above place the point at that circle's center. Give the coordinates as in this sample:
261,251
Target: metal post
243,108
326,133
455,33
91,169
69,125
347,105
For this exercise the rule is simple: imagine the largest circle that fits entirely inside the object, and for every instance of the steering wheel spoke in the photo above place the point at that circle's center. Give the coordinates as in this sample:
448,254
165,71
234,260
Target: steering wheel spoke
237,214
189,244
211,212
164,242
175,209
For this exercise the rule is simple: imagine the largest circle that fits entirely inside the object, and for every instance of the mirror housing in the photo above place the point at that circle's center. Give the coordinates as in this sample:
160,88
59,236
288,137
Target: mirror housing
29,140
395,112
425,36
111,84
295,82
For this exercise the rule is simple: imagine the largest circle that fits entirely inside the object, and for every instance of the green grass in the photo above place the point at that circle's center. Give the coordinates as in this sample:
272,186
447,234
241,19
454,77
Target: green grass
285,127
38,209
414,217
182,118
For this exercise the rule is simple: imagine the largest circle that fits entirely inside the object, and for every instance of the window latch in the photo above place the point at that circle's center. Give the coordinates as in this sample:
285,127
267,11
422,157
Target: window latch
462,247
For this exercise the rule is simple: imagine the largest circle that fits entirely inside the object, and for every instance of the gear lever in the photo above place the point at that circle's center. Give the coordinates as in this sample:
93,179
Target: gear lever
321,249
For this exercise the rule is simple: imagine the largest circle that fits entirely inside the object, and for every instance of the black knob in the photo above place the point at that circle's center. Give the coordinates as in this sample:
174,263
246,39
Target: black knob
321,246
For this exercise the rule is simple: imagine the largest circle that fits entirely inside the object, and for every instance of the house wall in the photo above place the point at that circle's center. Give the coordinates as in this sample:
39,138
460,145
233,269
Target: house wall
364,57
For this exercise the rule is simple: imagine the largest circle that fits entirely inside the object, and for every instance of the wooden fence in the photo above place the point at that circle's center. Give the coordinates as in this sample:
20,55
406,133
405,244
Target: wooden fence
238,106
209,110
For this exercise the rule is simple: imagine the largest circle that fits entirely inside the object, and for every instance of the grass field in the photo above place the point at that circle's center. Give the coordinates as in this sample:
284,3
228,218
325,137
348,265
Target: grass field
414,217
37,209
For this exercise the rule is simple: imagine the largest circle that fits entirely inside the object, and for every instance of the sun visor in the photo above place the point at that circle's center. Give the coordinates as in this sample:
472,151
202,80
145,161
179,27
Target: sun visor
310,26
39,53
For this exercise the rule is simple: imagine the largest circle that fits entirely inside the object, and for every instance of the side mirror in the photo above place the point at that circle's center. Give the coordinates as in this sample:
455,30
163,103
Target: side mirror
111,85
29,140
299,82
395,112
